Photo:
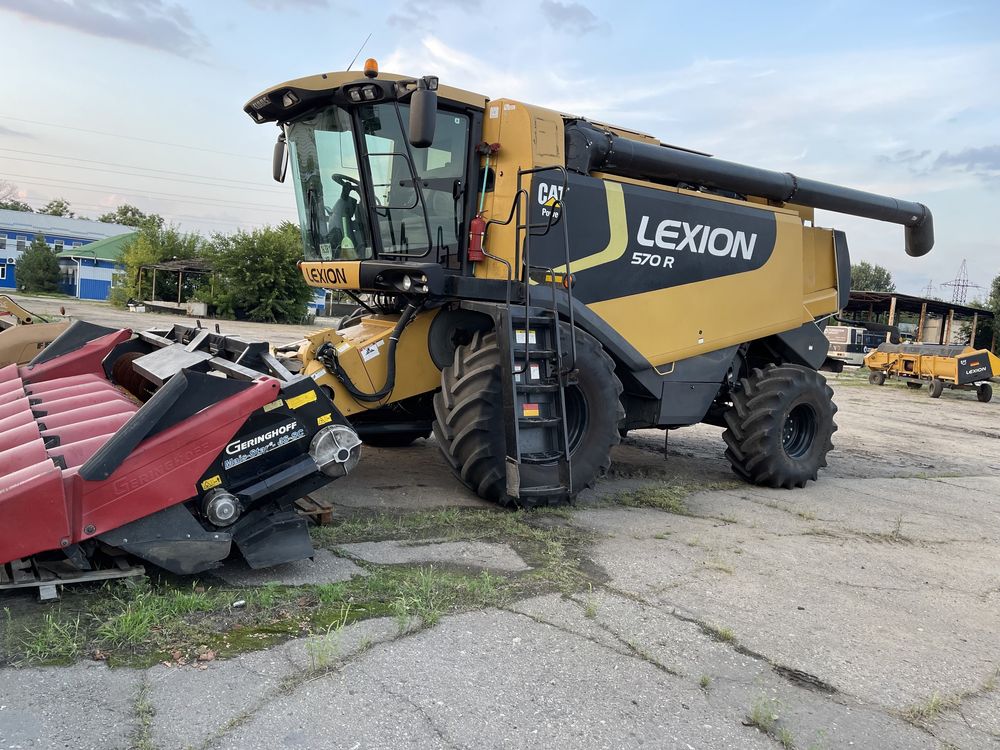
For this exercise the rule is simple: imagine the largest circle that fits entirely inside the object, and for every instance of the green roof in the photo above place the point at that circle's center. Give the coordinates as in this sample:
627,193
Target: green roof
106,249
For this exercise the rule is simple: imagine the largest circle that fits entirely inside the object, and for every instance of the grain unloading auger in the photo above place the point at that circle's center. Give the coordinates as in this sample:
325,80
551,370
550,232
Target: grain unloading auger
170,445
534,284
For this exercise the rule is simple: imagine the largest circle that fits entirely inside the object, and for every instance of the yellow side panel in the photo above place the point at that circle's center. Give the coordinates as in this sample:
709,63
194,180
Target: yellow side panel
362,353
684,321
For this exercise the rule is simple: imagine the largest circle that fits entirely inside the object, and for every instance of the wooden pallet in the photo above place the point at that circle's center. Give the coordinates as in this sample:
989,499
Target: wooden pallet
47,577
320,511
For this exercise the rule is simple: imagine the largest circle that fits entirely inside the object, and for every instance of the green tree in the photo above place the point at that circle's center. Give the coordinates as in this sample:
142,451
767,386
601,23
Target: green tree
57,207
257,275
871,277
131,216
155,245
13,204
37,269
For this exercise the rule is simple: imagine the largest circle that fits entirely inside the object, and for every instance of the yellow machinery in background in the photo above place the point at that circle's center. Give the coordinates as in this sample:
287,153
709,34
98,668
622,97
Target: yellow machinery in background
22,334
956,367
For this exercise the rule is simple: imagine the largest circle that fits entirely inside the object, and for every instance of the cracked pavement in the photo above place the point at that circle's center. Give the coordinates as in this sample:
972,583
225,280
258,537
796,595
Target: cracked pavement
861,611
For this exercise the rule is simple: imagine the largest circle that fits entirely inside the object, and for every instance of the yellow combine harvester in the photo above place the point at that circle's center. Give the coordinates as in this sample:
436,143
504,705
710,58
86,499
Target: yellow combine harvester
22,334
956,367
535,283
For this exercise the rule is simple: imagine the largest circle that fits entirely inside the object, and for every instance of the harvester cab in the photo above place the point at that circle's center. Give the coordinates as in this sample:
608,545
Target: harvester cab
531,285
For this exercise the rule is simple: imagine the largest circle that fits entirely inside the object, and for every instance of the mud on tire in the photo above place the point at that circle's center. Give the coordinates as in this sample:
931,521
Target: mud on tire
779,429
469,424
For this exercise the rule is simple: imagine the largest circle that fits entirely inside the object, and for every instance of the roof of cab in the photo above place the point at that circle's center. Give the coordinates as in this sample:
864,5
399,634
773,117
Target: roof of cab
332,81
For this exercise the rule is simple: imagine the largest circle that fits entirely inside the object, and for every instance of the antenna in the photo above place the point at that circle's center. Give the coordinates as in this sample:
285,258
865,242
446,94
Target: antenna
960,285
358,53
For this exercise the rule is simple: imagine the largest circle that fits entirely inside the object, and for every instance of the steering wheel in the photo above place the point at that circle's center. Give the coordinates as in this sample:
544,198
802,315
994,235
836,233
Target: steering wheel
347,183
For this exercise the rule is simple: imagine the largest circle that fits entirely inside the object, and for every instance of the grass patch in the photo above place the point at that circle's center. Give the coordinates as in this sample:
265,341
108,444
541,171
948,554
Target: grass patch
926,712
56,640
705,682
138,623
668,496
719,565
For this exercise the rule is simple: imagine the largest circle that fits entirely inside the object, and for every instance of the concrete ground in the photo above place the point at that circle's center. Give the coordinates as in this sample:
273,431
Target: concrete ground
861,611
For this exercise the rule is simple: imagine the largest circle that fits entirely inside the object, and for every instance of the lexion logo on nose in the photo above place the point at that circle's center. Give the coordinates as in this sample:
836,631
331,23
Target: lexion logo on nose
328,275
697,238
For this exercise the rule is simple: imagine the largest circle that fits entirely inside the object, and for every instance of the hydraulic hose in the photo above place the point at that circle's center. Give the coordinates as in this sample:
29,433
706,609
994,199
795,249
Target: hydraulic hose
327,354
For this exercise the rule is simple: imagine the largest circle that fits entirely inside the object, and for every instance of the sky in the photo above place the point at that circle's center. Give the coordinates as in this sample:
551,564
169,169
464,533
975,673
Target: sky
104,102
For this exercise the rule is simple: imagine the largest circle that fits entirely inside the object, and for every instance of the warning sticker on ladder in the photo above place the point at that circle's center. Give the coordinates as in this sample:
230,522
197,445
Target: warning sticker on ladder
519,336
534,372
529,410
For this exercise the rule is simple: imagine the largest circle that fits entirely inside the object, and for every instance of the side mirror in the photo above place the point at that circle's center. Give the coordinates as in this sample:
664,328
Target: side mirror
423,115
279,161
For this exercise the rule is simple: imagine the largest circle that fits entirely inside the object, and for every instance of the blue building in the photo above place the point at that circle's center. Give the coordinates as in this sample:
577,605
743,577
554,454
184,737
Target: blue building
85,273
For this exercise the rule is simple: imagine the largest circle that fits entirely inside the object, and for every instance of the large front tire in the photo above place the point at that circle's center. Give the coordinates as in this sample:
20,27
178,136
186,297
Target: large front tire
779,429
469,424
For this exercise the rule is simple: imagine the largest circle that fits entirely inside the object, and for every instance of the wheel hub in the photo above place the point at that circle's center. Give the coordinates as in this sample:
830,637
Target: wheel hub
798,431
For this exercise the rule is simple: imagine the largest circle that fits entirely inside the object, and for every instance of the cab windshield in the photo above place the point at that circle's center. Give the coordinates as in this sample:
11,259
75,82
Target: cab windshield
416,206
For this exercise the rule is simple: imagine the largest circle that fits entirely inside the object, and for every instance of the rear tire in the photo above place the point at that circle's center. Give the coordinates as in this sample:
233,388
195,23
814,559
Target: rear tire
779,429
469,424
877,378
984,392
936,388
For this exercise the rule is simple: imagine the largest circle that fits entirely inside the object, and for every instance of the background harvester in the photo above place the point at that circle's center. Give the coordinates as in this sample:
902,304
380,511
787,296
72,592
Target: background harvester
532,284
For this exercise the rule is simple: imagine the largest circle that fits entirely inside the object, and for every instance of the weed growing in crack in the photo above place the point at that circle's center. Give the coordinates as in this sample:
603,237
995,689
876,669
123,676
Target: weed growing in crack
764,714
926,712
705,682
142,733
726,635
324,649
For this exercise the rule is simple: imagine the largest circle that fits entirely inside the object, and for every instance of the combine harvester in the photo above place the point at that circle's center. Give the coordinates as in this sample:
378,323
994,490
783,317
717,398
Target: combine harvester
536,283
22,334
960,368
171,446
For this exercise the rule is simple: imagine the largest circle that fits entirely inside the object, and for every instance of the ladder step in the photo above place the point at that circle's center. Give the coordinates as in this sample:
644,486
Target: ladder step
533,353
539,421
536,387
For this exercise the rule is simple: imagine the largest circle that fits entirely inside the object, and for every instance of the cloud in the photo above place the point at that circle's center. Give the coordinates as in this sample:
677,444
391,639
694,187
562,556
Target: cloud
155,24
423,15
284,4
977,159
571,17
4,130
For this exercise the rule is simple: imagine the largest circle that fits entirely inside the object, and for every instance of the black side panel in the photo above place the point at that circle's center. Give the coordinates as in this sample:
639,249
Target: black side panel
172,539
267,539
843,256
74,337
184,395
802,346
686,403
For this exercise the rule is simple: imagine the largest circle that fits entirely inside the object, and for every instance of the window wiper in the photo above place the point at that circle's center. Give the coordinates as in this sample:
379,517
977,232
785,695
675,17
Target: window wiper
313,219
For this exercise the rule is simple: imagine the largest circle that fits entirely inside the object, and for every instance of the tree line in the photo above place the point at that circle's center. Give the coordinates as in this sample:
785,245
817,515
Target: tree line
254,275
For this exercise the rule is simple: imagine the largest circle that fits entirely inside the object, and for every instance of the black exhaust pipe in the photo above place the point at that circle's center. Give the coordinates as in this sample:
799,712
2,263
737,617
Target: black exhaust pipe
589,149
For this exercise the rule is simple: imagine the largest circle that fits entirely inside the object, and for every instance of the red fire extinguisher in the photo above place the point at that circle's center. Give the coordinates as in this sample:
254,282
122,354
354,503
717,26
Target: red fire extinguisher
477,230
